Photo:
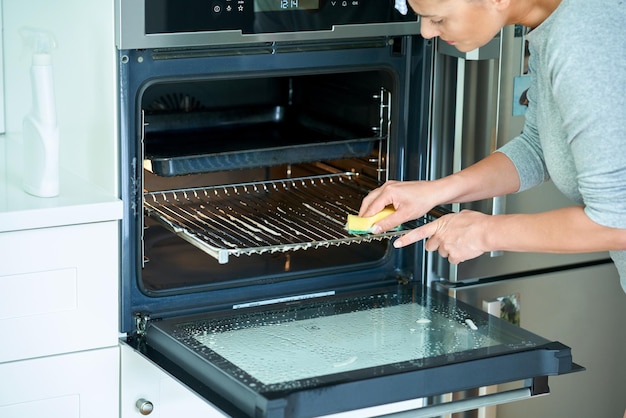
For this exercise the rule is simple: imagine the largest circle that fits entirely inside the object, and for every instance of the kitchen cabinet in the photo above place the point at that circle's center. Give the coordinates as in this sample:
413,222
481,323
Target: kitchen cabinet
59,297
78,385
144,383
59,256
58,290
59,287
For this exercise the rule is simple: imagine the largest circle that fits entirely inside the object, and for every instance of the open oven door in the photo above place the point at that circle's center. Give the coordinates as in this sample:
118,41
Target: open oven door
345,352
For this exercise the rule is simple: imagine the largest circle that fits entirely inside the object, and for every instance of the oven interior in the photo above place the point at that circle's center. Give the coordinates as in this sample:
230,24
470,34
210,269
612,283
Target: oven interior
261,172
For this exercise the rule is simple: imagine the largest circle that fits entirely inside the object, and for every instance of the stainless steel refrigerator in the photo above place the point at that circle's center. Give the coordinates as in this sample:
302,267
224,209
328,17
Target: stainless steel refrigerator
478,104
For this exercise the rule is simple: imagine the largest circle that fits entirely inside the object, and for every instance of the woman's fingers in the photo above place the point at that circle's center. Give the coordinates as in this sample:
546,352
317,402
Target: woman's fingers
453,236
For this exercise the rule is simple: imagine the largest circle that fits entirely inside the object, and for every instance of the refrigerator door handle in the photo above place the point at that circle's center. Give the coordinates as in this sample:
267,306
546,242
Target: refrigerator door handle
465,404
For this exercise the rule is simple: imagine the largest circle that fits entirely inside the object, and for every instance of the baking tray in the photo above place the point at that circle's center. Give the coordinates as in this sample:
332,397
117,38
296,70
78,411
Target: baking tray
207,141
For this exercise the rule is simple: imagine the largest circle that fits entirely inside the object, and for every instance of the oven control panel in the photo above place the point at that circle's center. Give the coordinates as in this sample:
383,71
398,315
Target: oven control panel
145,24
264,16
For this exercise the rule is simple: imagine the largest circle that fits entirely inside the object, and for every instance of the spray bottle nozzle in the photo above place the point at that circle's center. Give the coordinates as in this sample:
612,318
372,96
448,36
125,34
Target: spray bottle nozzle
38,40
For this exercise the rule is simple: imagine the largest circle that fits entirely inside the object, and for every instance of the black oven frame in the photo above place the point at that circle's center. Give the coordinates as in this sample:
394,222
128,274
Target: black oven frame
406,58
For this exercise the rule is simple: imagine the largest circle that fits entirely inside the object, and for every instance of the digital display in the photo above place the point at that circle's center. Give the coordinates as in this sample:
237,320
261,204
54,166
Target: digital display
277,5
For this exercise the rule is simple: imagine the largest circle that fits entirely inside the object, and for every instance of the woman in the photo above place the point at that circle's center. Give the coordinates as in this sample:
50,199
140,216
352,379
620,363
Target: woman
575,134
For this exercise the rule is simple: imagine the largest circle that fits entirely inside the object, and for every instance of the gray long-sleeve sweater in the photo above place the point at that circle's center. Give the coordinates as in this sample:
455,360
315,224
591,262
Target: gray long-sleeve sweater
575,131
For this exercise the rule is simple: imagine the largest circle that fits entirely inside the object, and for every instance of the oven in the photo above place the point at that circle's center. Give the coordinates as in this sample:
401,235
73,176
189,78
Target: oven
249,130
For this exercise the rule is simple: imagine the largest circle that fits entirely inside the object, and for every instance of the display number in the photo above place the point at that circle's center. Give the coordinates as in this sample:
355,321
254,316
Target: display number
289,4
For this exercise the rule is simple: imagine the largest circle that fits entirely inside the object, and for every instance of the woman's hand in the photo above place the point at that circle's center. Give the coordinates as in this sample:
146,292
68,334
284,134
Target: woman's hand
468,234
411,200
460,236
457,236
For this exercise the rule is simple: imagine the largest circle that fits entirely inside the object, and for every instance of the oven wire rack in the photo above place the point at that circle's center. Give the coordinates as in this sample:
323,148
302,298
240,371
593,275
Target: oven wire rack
266,217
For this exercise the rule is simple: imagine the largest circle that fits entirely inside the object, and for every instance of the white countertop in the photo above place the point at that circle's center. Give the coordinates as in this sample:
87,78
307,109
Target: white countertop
78,202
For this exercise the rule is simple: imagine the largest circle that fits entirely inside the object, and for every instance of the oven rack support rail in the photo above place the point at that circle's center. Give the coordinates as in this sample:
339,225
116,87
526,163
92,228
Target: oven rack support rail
266,217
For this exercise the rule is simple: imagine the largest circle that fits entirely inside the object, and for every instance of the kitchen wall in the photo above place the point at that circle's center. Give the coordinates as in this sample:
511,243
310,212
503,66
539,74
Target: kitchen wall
1,75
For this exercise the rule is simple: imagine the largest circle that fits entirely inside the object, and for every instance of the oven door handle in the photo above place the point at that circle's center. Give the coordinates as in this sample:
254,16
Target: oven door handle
465,404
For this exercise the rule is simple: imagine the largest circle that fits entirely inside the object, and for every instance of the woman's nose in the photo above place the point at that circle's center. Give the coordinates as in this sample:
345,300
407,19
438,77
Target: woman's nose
427,29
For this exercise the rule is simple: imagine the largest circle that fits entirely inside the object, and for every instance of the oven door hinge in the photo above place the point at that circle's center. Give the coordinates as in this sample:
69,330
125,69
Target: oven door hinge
141,323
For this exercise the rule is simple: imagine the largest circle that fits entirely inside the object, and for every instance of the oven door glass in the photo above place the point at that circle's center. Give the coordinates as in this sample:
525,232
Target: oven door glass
352,351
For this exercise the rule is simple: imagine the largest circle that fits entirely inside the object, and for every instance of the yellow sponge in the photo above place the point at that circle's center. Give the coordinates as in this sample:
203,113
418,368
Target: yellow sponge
359,225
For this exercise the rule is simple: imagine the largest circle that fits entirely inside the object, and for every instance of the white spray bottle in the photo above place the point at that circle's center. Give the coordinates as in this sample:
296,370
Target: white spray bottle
40,128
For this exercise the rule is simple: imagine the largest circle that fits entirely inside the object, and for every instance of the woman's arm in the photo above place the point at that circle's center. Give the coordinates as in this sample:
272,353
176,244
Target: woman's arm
469,234
493,176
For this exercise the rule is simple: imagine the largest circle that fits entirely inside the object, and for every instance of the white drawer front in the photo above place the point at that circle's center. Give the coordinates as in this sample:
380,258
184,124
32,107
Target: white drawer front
142,379
78,385
64,406
58,290
63,284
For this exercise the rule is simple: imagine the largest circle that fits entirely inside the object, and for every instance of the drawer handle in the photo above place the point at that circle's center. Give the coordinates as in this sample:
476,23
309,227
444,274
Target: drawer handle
144,406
